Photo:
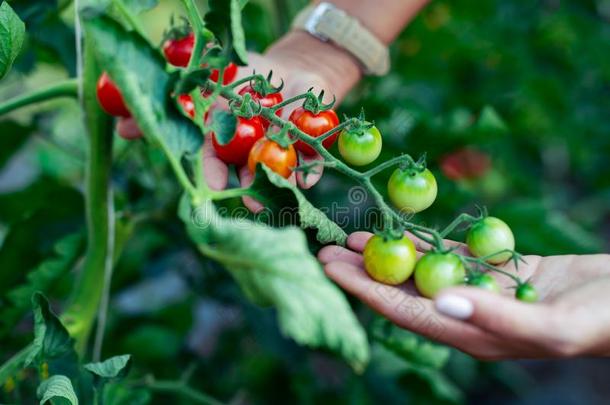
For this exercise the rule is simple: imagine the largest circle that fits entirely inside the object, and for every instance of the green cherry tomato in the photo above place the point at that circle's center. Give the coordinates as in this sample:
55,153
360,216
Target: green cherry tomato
359,148
526,293
488,236
435,271
485,281
412,191
389,261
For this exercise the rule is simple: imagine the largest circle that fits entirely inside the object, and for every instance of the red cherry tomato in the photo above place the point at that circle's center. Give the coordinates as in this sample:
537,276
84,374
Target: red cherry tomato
186,102
314,125
466,163
178,51
266,101
229,75
247,132
274,156
110,98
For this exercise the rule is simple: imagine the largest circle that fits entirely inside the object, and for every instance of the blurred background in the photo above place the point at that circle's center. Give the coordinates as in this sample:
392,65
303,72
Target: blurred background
509,99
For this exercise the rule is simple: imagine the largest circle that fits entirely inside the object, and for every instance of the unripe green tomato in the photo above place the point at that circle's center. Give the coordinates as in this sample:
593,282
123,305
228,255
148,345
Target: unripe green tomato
359,148
389,261
488,236
436,271
486,282
412,191
526,293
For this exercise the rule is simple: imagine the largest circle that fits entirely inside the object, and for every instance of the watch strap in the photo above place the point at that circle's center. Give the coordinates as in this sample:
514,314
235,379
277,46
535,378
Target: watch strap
329,23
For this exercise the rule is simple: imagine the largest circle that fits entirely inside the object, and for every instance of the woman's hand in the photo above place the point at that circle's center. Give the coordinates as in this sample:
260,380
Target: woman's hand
572,318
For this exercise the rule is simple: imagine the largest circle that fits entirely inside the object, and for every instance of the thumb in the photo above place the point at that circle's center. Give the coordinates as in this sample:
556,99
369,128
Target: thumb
499,315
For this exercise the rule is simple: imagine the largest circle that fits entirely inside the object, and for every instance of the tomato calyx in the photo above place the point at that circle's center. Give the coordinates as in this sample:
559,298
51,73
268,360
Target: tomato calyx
412,167
390,233
246,108
282,137
177,31
358,126
315,104
263,86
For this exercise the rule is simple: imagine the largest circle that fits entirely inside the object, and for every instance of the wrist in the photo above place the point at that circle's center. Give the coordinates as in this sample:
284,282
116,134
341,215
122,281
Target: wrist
336,68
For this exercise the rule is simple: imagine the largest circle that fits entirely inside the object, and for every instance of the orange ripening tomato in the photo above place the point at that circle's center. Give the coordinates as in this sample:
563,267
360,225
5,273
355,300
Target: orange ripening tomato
279,159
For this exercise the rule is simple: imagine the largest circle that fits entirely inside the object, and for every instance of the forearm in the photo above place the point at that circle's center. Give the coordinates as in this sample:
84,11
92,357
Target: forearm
384,18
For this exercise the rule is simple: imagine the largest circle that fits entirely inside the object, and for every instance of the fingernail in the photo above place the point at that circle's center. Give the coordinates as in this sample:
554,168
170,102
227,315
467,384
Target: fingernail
454,306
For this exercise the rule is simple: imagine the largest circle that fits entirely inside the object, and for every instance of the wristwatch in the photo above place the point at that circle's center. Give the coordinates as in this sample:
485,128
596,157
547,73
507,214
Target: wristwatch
327,22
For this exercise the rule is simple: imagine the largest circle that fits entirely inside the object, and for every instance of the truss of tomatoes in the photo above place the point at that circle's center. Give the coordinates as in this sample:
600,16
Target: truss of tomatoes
411,189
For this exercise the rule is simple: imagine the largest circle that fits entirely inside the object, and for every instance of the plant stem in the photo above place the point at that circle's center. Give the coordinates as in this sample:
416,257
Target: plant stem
183,390
67,88
389,163
462,218
87,293
479,261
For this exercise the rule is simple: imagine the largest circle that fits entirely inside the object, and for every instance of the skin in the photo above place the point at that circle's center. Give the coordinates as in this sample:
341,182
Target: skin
569,320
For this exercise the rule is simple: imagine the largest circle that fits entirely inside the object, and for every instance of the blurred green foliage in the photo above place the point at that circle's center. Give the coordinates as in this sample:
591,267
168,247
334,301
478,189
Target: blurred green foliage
526,82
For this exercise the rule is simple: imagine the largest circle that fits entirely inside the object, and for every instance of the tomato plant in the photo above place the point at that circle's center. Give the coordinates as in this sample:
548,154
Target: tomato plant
281,160
436,271
412,190
492,239
117,230
389,260
360,146
314,125
247,132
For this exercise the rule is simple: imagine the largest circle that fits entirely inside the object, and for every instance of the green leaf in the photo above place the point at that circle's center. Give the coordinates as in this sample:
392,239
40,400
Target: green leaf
274,189
51,339
67,251
274,266
223,125
139,6
117,366
224,20
409,346
139,71
12,33
57,389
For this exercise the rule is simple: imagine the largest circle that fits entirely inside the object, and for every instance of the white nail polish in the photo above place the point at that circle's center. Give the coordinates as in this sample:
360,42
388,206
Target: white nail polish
454,306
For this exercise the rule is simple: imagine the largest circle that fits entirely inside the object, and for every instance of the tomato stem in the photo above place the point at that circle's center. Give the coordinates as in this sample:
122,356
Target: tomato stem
67,88
462,218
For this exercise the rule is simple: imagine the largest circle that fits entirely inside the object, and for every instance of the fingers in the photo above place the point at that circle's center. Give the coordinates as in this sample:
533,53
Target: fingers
246,178
333,253
504,317
406,310
312,178
215,171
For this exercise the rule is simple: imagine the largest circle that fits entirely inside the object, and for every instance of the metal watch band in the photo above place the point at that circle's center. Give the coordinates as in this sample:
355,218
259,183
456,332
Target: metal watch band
329,23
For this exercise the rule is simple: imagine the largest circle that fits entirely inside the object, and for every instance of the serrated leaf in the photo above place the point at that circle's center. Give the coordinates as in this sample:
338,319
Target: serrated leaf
67,252
223,125
409,346
113,367
274,266
57,389
12,33
139,71
51,339
274,189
